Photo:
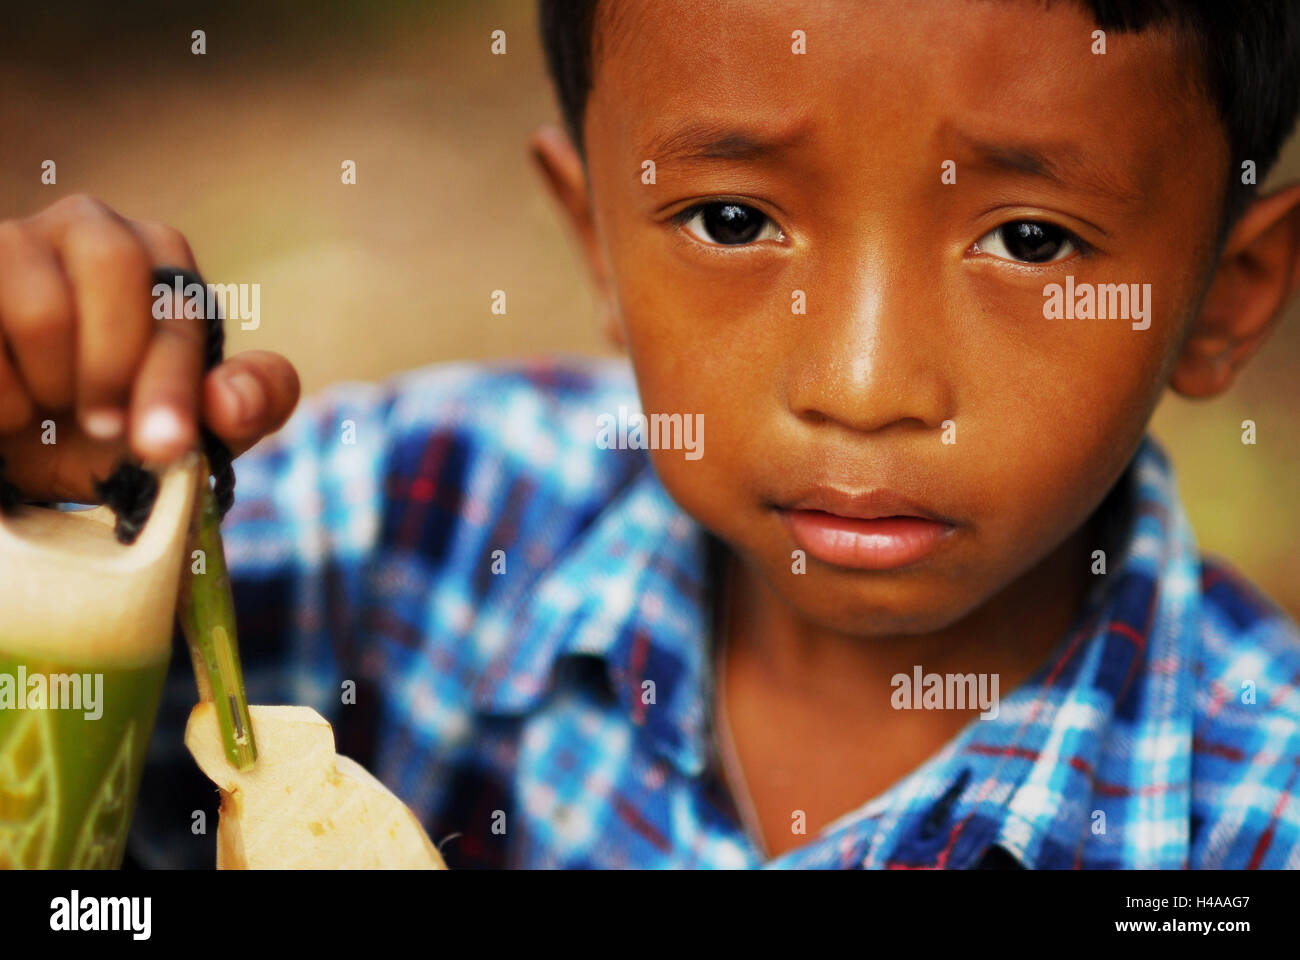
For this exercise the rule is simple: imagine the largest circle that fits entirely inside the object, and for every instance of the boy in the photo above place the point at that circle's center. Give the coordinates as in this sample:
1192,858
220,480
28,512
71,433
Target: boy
839,236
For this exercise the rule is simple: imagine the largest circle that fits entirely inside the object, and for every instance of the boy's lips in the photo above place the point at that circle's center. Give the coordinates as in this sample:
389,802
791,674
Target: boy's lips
874,530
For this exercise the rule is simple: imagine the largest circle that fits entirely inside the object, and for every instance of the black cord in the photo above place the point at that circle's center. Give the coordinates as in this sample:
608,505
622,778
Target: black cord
9,495
130,490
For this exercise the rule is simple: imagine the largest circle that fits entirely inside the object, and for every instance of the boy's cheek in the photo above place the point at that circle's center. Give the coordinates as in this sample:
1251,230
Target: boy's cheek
1058,445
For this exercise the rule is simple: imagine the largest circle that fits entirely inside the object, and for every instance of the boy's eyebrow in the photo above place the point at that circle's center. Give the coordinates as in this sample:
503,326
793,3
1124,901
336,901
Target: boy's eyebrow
724,140
1061,163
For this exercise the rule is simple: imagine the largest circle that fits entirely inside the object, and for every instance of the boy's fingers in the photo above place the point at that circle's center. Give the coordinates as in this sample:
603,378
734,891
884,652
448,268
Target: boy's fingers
167,246
65,470
165,397
36,316
15,404
54,221
249,396
110,272
164,400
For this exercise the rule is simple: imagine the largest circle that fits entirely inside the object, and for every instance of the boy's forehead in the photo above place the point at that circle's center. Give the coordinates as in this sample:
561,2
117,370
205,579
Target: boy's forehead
969,72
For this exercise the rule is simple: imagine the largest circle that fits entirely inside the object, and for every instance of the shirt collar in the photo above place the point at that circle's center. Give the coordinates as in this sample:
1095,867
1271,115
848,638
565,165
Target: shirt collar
634,590
1128,714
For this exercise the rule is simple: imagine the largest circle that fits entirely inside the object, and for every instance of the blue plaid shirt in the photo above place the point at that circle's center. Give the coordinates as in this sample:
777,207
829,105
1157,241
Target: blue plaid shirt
497,587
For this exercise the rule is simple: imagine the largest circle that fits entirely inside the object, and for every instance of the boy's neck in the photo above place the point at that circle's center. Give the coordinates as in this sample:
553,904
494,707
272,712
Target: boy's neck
807,720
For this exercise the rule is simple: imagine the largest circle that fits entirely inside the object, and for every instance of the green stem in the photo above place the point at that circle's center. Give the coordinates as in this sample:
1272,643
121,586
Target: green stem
207,615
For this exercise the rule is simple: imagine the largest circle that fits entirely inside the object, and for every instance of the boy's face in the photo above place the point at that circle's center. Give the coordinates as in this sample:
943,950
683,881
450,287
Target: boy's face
924,299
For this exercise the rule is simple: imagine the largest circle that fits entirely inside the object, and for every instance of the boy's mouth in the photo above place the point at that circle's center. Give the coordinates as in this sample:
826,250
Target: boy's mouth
874,530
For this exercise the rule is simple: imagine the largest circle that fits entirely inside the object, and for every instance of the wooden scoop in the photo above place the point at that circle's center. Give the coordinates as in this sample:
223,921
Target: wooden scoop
303,806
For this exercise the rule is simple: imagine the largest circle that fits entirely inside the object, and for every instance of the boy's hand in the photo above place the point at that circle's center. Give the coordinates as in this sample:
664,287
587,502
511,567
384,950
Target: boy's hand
80,346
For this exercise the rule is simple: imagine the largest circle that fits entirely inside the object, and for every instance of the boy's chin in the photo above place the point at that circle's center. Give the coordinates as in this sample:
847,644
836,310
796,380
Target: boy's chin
877,610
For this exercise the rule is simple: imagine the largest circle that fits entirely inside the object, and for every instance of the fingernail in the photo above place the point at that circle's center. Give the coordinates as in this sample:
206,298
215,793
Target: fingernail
103,423
162,426
248,393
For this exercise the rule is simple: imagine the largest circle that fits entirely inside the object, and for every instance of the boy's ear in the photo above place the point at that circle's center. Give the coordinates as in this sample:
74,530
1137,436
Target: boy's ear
1257,274
561,167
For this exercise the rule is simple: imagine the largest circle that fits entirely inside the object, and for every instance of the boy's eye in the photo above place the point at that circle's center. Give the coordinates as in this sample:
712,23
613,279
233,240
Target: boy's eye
727,223
1028,241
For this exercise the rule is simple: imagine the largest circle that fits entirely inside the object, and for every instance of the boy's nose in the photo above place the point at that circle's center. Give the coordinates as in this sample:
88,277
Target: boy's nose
873,356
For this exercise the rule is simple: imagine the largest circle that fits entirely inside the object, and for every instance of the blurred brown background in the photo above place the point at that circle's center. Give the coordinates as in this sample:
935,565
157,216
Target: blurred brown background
241,149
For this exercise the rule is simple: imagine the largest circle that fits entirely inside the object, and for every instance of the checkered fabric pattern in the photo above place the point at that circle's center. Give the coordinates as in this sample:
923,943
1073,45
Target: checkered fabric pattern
499,694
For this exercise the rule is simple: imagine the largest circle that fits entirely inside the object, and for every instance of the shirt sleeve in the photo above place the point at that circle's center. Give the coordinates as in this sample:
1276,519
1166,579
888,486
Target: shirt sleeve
308,510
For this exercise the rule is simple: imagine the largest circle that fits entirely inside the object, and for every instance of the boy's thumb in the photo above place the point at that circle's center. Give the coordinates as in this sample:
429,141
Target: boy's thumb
248,396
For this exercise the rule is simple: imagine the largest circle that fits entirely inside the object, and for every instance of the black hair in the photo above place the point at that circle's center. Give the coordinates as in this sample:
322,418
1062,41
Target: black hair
1249,54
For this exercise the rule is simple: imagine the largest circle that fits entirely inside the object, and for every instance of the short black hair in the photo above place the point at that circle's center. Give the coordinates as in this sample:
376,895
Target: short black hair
1249,52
